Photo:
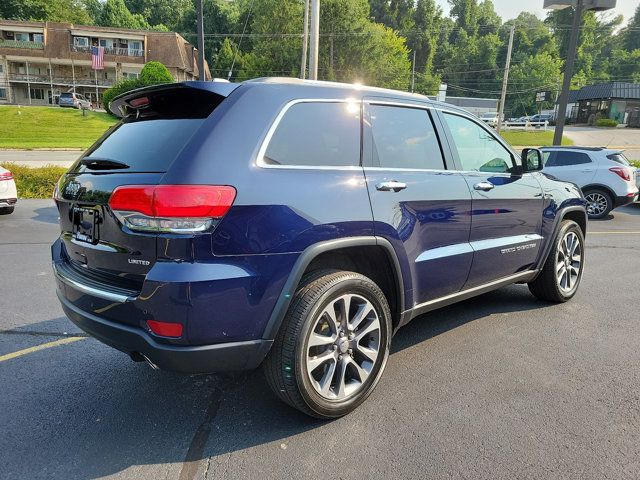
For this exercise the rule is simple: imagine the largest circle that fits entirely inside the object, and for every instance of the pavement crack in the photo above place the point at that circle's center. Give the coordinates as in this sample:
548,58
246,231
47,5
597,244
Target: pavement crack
196,448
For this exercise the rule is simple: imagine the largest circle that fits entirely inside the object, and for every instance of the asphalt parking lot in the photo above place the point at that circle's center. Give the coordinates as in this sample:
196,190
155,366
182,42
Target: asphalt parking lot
498,387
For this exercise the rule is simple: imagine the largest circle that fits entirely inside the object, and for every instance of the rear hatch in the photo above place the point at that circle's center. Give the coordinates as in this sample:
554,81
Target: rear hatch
158,124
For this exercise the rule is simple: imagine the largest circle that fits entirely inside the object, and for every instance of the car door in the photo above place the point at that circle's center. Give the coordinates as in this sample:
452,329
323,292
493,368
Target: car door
419,205
506,214
569,165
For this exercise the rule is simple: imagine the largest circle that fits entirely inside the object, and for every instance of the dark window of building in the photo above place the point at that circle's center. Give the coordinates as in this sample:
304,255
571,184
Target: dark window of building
404,137
317,134
37,94
3,93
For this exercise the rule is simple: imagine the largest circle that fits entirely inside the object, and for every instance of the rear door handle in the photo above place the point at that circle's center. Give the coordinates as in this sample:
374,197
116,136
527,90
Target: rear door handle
483,186
589,170
391,185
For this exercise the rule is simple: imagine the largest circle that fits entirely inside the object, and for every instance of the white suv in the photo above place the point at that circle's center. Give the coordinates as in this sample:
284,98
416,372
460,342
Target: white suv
8,193
605,176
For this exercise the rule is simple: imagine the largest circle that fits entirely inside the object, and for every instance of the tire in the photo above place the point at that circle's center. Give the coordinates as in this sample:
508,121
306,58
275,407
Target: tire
551,285
599,203
6,210
295,369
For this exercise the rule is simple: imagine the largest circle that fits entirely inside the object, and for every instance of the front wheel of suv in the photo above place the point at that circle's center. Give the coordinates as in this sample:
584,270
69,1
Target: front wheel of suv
561,274
333,344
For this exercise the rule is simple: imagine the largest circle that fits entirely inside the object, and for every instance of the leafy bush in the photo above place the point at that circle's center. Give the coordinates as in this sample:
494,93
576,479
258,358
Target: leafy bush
35,182
155,72
119,88
152,73
606,122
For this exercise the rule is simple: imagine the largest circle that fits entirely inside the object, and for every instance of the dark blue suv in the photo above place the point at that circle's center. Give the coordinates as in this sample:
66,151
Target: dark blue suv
298,225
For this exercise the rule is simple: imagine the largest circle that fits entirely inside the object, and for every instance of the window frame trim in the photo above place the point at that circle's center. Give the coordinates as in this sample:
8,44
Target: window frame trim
274,125
420,106
454,151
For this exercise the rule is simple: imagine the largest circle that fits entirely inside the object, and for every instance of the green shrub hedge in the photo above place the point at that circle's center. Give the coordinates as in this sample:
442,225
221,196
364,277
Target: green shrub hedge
35,182
606,122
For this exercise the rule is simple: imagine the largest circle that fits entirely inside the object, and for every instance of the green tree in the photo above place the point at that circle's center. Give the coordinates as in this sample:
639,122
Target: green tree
114,13
46,10
166,12
540,72
631,34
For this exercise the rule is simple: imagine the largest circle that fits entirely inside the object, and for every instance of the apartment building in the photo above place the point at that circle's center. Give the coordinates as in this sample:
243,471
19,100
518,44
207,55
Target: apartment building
41,60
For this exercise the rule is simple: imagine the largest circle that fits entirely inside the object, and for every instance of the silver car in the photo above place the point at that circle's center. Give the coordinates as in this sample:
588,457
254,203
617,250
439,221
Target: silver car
74,100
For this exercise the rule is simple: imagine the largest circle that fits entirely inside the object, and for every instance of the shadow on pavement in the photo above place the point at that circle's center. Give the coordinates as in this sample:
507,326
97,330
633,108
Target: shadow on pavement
46,214
86,411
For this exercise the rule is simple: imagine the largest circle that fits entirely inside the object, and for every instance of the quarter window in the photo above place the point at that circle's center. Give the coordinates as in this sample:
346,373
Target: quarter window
404,137
317,134
564,159
478,150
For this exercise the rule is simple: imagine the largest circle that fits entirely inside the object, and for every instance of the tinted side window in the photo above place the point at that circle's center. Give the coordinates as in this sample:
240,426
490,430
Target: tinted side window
404,138
477,149
317,134
566,158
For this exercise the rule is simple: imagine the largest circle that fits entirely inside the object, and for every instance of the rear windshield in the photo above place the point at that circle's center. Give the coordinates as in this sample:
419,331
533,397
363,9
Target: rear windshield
145,145
619,158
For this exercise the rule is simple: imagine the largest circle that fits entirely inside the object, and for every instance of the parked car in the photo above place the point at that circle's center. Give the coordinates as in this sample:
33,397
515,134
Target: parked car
605,176
524,119
490,118
8,192
540,118
75,100
298,225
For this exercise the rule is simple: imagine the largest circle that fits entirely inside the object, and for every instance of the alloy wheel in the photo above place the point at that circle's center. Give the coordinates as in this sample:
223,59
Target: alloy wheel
596,203
343,347
568,262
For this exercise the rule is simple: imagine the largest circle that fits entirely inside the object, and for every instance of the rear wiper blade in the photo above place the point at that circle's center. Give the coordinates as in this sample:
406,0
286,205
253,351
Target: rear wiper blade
96,163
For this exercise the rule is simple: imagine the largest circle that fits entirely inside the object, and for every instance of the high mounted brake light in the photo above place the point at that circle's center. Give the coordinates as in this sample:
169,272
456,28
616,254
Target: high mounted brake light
171,208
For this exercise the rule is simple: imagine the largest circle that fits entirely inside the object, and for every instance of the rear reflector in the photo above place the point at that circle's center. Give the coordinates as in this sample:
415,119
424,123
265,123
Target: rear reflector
622,172
165,329
171,208
6,176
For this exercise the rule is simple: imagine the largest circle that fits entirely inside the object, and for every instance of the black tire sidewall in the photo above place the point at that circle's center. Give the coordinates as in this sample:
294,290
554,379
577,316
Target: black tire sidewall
356,285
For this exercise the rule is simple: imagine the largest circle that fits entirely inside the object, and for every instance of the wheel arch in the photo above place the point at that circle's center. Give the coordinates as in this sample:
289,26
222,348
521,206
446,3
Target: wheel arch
599,186
573,212
335,254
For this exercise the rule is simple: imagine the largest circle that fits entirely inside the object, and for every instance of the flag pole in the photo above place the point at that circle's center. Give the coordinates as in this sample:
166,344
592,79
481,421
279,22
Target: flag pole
95,71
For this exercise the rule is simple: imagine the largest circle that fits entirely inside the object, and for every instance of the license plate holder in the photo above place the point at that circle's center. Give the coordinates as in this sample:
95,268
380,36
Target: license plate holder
85,225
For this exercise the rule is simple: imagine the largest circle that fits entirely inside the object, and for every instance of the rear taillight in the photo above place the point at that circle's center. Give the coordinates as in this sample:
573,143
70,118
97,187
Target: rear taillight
622,172
6,176
171,208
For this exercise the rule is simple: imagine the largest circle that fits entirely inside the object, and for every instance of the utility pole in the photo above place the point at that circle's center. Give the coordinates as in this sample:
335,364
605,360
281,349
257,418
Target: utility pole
201,75
305,41
568,73
413,72
505,80
315,39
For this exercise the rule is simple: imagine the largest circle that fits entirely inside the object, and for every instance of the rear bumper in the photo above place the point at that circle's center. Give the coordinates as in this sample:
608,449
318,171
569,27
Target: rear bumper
233,356
625,200
8,202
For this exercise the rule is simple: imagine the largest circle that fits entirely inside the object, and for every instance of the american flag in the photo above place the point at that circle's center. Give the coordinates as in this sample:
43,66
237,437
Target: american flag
97,58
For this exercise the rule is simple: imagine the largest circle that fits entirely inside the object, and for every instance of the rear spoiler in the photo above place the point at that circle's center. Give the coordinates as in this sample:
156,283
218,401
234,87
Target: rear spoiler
186,94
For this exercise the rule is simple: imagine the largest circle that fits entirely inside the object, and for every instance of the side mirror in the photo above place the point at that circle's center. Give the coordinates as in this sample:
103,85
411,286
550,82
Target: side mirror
531,160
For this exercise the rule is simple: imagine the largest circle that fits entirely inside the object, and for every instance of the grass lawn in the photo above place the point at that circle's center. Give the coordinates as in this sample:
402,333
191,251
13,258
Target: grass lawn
532,138
50,127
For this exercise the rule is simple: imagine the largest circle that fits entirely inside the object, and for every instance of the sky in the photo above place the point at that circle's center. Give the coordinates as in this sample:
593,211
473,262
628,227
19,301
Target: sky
509,9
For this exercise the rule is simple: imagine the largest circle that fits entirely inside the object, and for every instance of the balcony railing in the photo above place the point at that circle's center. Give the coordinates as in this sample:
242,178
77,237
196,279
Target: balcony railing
20,44
129,52
66,81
